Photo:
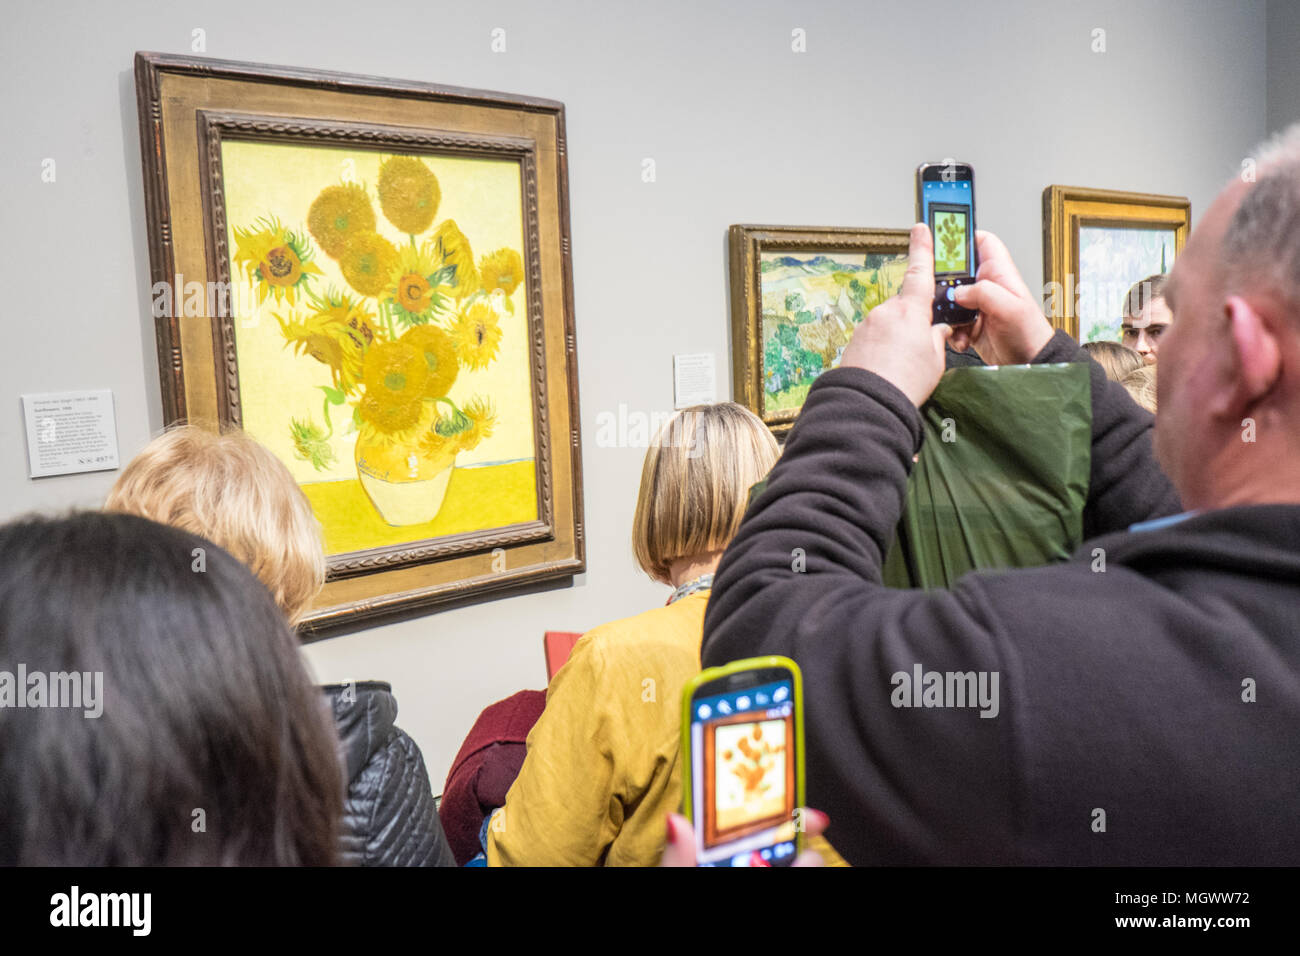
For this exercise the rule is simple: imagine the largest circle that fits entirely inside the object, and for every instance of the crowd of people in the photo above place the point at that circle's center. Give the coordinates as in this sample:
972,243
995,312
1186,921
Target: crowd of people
1149,682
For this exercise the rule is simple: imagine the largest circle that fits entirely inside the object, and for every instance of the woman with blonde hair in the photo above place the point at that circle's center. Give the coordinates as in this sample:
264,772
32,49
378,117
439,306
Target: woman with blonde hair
1116,359
1141,384
602,767
231,490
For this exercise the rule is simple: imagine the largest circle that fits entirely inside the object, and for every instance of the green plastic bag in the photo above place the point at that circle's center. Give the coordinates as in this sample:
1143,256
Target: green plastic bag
1002,476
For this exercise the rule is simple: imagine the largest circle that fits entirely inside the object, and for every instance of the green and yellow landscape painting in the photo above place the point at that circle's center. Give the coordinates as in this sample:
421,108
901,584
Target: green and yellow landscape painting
811,303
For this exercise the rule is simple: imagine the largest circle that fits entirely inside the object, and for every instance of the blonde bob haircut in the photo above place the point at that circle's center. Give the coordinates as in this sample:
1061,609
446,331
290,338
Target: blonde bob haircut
695,484
229,489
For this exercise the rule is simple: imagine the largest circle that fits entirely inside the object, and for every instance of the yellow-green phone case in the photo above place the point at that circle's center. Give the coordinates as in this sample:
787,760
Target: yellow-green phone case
735,667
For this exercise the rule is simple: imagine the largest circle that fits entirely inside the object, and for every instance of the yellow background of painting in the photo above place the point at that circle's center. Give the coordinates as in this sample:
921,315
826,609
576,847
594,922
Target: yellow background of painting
483,197
729,802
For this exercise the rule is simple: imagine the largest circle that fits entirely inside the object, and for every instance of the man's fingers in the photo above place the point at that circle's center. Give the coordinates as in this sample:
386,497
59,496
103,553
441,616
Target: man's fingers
942,333
988,297
995,260
918,282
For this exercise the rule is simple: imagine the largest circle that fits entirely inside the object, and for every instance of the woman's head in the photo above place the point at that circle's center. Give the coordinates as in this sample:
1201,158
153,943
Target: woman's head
212,745
1141,384
229,489
695,483
1116,360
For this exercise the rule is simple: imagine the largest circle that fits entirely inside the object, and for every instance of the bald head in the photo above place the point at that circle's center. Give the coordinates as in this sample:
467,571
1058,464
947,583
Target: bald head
1229,384
1261,244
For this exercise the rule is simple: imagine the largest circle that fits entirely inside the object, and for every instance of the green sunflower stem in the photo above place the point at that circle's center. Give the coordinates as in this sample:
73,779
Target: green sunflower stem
329,423
453,405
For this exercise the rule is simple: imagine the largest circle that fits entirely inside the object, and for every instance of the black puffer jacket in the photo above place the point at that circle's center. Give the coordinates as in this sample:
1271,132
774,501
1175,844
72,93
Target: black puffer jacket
389,818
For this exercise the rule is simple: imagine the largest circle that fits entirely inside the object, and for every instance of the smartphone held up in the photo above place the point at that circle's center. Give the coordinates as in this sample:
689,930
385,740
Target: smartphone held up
945,201
742,775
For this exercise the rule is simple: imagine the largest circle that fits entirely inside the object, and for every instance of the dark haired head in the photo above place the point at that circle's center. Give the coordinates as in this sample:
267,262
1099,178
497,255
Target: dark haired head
1142,293
212,746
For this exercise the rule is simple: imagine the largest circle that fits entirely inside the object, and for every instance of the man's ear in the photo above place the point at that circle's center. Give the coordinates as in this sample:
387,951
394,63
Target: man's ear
1256,358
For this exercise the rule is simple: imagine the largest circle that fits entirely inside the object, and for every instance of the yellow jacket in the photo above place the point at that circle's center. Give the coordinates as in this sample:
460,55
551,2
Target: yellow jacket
602,770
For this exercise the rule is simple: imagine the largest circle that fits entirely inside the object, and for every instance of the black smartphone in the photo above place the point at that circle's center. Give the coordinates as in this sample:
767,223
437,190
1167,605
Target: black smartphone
945,201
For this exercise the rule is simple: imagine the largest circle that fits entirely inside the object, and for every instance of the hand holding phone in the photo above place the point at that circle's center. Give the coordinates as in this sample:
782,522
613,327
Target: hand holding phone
897,340
679,850
1013,328
945,201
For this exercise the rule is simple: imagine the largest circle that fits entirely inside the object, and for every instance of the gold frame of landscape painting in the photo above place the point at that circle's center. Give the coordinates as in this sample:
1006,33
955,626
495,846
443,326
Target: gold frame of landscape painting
372,278
1132,236
820,281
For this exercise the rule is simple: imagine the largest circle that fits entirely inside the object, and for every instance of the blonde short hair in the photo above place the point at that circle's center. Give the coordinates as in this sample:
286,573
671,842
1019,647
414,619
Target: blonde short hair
1116,359
229,489
695,483
1141,384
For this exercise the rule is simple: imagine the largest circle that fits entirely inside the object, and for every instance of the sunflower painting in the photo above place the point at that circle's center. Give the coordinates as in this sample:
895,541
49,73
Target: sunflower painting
381,335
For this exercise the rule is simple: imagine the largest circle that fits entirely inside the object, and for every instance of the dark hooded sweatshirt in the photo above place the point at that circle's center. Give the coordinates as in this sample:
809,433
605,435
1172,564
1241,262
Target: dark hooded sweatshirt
1148,690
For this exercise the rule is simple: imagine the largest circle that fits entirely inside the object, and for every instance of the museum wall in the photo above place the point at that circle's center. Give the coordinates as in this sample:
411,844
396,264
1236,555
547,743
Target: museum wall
740,128
1283,32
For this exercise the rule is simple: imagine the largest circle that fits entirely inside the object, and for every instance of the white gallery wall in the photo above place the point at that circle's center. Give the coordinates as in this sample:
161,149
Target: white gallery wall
741,127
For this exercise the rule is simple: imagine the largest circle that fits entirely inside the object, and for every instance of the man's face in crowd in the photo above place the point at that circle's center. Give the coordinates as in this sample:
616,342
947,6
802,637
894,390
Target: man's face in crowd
1144,330
1192,353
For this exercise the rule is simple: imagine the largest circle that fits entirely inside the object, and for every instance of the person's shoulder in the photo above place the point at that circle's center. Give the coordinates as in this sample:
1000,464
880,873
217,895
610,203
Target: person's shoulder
676,627
1072,609
677,616
1051,590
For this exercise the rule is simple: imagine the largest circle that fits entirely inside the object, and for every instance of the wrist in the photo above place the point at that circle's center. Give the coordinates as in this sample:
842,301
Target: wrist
1042,334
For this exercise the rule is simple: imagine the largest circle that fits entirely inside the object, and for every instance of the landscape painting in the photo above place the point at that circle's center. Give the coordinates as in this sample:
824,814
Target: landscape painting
1111,259
811,305
797,296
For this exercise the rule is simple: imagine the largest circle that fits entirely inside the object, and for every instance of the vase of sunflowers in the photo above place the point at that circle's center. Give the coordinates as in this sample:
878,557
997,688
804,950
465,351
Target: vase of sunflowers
416,314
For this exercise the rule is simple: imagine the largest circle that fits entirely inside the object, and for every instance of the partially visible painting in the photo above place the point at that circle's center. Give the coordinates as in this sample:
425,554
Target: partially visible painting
797,293
1110,261
385,302
1096,244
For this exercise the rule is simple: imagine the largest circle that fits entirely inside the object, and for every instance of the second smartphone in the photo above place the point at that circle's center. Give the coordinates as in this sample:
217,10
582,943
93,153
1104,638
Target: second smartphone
742,774
945,201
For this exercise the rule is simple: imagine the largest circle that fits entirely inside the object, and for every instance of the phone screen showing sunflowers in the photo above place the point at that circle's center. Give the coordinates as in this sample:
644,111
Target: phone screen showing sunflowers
743,770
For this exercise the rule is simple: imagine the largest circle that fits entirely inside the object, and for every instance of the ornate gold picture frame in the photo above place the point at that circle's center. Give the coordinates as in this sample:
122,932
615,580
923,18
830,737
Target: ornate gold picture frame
372,277
1096,244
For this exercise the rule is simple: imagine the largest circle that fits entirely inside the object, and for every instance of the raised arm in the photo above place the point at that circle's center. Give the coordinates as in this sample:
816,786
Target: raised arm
802,578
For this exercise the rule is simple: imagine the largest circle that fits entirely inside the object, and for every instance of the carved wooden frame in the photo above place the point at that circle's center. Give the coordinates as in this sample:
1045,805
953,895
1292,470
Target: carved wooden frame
747,243
1067,208
188,106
